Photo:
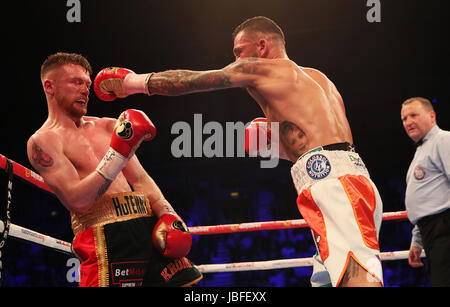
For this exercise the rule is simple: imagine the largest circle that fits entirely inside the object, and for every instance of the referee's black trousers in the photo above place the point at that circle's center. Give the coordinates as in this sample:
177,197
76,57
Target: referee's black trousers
435,231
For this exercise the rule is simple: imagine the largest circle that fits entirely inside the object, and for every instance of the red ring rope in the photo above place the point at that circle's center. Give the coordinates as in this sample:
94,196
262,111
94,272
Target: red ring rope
275,225
26,174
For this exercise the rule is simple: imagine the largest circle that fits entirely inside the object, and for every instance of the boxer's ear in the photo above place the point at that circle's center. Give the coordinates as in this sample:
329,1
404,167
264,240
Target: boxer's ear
49,86
263,48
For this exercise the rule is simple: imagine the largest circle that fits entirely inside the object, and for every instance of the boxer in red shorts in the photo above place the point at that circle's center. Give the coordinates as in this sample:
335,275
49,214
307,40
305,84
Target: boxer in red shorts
126,232
314,134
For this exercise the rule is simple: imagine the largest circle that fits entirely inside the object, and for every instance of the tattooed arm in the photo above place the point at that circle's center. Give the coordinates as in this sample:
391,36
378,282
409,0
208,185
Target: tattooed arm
45,153
142,182
242,73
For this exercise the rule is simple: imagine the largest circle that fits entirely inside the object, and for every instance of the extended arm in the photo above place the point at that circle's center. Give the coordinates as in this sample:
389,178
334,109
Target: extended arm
182,82
111,83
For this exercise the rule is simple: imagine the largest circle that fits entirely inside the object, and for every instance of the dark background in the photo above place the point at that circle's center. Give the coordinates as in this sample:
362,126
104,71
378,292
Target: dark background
375,66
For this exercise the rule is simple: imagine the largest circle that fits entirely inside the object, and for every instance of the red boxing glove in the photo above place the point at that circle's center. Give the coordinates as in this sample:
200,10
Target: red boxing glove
172,237
132,127
108,84
258,126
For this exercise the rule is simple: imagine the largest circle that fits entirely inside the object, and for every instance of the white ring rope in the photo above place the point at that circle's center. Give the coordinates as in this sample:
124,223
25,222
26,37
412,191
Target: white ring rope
35,237
284,263
28,235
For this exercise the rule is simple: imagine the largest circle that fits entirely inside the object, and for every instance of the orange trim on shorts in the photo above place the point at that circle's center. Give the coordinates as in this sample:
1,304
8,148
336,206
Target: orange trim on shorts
314,217
362,198
350,254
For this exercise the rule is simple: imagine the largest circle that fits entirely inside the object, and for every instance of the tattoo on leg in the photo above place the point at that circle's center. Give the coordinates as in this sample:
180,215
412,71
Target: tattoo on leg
352,271
41,157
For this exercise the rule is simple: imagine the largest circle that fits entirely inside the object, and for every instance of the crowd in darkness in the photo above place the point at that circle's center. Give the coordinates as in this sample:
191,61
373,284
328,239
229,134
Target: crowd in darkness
207,199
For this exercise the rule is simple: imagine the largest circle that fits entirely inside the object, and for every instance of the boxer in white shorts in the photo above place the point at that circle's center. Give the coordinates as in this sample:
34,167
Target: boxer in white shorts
343,208
310,112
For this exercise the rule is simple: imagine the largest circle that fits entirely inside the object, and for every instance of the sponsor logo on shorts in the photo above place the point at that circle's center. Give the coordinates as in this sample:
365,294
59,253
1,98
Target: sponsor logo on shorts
128,274
318,166
357,161
419,172
132,204
175,266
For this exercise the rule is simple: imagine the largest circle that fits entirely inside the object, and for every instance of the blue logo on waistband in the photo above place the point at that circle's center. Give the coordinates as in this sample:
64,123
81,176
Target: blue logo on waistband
318,166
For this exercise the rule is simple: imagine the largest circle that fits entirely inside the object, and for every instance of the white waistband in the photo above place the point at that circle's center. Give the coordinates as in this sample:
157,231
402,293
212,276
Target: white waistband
325,164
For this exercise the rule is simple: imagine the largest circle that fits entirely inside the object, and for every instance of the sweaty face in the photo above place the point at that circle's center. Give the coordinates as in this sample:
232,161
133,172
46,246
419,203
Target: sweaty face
416,120
72,84
244,46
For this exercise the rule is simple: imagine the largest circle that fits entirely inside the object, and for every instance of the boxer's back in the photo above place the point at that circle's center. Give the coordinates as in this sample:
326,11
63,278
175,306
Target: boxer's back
305,102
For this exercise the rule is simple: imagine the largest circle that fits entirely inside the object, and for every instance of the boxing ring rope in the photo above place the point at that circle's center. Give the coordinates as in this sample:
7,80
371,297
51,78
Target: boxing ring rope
284,263
274,225
25,234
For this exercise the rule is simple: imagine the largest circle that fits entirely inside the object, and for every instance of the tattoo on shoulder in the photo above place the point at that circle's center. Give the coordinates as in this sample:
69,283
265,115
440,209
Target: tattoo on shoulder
41,157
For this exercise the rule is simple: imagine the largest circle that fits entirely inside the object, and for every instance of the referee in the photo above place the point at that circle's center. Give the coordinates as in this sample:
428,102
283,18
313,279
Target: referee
428,190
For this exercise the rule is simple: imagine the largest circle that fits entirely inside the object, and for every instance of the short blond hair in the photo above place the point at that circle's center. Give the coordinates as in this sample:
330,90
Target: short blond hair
426,104
62,58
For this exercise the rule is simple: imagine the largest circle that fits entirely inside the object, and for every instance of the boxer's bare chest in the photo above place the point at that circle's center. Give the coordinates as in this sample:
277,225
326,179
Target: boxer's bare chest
85,147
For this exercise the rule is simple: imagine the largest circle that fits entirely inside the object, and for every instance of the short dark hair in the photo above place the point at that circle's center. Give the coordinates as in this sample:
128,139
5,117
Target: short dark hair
62,58
260,24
